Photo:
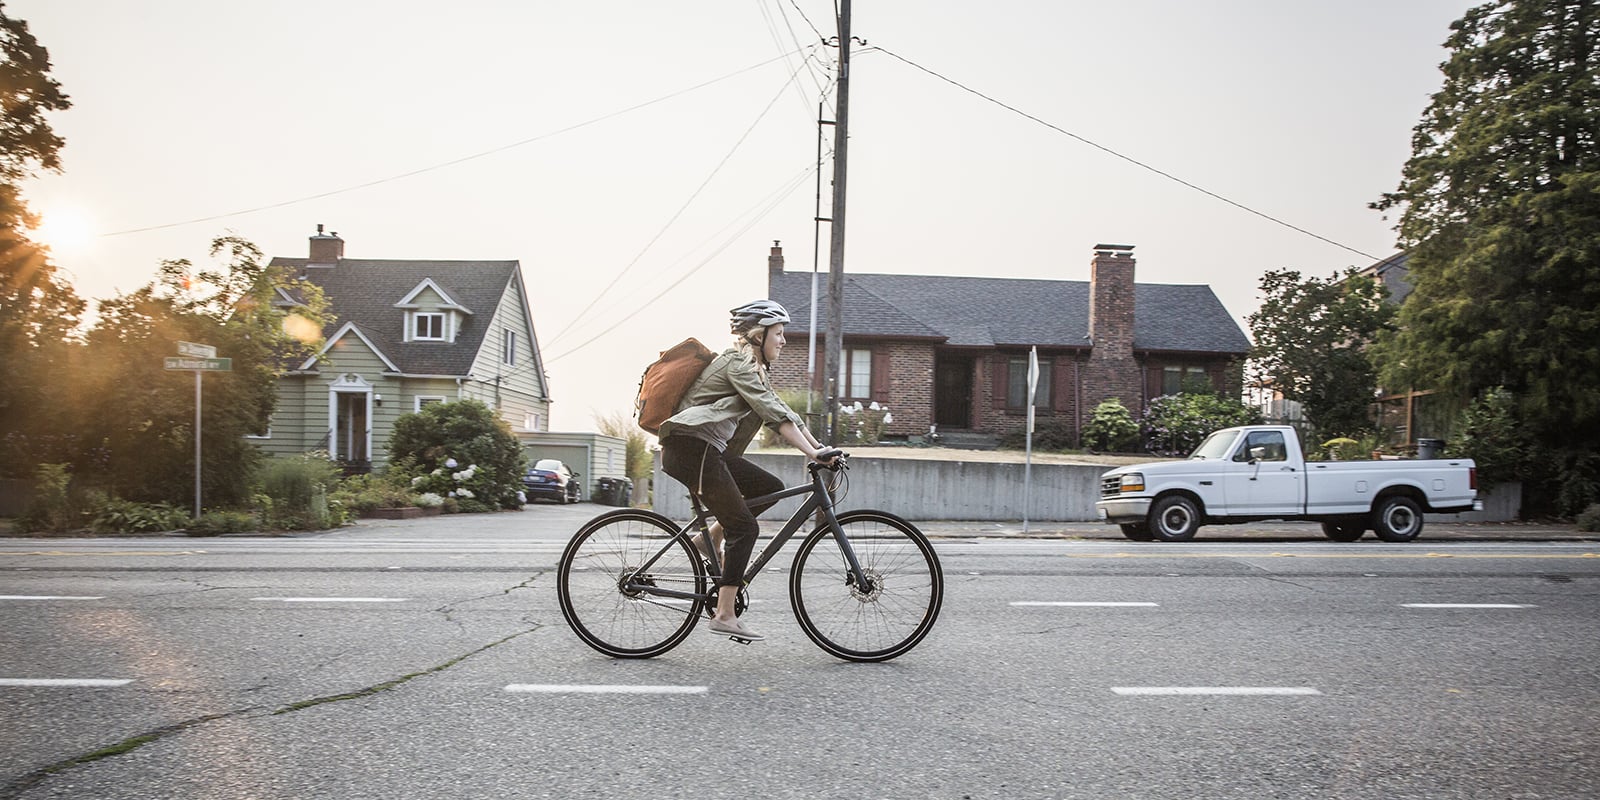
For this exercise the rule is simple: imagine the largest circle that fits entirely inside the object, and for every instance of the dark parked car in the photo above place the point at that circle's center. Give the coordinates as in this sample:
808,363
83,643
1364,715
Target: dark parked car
551,480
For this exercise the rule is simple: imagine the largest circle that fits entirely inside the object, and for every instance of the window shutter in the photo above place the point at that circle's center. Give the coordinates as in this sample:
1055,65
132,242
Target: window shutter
999,364
880,375
1061,393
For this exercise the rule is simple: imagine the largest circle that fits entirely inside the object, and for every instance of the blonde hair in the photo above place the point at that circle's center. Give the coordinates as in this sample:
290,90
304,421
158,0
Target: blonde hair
748,344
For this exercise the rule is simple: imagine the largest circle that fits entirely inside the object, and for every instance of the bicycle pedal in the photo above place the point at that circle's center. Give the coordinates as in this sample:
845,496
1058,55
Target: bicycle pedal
742,640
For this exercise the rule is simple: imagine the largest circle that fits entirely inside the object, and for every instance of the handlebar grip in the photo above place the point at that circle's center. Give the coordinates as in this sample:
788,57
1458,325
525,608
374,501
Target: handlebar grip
833,456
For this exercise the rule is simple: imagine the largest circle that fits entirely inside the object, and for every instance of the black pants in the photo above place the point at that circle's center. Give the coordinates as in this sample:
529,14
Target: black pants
722,482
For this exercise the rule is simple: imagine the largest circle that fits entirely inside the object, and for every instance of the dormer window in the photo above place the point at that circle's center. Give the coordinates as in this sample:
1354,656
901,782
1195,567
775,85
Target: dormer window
427,326
432,315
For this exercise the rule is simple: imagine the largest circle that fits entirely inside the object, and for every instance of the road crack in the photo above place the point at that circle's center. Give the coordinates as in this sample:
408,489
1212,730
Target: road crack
16,787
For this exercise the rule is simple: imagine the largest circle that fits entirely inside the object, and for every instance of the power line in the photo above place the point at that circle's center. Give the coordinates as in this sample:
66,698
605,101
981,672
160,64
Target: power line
1129,159
685,207
452,162
771,201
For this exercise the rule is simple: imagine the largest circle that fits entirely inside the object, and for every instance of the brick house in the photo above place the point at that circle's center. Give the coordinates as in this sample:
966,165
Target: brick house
952,352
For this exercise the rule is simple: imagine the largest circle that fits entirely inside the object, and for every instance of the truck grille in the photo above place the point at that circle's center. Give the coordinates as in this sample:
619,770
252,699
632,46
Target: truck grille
1111,487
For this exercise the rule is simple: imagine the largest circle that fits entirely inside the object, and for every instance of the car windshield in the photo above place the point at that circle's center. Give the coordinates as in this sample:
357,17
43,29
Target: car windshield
550,464
1216,446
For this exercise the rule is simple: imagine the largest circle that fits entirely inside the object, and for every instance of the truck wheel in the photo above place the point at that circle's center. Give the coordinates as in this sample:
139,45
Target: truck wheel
1397,519
1174,519
1137,531
1343,531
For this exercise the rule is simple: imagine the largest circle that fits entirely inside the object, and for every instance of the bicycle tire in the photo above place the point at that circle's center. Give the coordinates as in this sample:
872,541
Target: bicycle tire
590,585
893,614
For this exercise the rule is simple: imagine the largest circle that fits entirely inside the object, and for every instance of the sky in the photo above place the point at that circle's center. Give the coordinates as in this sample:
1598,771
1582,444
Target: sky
639,158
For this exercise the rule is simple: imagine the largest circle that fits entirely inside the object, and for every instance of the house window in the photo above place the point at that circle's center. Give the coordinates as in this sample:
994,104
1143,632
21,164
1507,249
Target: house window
1173,379
855,374
509,354
1017,384
428,401
531,421
427,327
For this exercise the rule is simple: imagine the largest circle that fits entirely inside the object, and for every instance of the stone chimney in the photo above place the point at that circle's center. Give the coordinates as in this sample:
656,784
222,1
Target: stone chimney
326,249
775,263
1111,371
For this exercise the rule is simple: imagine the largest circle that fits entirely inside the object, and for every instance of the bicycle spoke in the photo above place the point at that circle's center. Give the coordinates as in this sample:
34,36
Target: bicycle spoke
889,615
608,595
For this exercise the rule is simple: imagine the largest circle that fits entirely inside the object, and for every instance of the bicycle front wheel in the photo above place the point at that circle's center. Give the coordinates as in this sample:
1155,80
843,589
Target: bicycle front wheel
610,590
883,619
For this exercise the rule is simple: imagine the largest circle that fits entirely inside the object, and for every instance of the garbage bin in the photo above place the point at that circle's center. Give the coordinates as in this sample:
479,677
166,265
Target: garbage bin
613,491
1429,448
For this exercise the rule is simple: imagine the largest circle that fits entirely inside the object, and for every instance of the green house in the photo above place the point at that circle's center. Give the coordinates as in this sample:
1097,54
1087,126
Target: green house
405,333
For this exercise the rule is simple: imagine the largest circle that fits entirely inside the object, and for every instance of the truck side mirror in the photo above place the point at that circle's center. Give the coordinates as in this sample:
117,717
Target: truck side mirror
1258,453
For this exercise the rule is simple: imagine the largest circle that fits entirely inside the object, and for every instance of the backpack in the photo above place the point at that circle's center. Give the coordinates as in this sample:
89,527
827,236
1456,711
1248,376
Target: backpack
667,380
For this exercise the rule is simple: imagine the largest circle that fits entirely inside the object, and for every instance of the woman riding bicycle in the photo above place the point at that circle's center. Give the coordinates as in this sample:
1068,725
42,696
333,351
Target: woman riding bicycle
703,444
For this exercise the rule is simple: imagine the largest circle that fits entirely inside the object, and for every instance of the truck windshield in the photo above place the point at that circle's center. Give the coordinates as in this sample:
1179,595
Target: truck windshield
1216,446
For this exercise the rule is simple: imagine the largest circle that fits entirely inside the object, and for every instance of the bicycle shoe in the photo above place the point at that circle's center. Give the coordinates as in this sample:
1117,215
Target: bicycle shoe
735,629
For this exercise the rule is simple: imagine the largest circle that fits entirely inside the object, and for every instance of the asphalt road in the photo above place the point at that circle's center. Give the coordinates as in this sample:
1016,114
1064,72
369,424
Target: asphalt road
427,659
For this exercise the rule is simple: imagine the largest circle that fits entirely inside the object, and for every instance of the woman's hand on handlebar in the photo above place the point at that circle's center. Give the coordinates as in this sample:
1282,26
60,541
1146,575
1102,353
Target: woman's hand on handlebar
831,457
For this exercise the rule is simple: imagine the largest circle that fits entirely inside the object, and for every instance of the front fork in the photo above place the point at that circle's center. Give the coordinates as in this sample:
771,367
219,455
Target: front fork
856,576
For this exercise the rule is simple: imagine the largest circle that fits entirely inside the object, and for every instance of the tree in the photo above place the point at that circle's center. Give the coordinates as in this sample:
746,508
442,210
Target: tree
1175,424
1500,211
640,463
38,312
138,425
1311,339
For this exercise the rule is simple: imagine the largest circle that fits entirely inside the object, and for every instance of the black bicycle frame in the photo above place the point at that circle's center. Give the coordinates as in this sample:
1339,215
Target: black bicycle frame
820,499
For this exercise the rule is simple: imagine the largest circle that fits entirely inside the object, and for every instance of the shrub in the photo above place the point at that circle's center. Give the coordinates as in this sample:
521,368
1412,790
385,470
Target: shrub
1589,520
858,425
1111,428
1048,434
114,515
1489,434
1175,424
51,509
216,523
459,450
361,494
292,493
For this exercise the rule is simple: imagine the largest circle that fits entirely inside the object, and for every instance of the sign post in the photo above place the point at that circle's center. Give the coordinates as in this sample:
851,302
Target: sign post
1027,469
200,358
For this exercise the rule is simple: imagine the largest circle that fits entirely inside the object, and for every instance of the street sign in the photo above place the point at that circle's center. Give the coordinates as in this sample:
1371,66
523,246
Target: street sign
196,350
200,364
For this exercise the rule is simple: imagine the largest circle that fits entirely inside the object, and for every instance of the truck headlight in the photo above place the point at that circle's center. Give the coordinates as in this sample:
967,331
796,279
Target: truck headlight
1133,482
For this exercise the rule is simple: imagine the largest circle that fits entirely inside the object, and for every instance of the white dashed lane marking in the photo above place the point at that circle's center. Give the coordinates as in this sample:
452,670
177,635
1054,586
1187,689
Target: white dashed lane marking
46,597
1215,690
72,683
332,599
567,688
1080,604
1464,605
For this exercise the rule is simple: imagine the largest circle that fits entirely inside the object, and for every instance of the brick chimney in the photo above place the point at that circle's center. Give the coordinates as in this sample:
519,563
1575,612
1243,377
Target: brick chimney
326,249
775,263
1111,370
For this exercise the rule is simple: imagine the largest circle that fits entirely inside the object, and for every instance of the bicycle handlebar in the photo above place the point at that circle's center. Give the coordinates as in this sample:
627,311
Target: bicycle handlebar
834,457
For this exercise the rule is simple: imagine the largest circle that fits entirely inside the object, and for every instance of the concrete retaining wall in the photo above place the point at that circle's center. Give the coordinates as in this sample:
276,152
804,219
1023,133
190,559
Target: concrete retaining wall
964,490
918,489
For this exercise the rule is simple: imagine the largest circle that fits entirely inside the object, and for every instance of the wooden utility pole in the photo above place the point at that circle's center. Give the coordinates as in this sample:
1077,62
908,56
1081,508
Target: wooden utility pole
841,142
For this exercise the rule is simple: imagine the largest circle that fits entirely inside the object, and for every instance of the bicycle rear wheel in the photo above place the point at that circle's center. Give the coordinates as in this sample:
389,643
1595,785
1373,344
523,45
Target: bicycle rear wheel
879,621
608,597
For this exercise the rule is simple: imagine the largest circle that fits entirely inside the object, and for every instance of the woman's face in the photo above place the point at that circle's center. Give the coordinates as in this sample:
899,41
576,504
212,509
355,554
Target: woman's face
772,345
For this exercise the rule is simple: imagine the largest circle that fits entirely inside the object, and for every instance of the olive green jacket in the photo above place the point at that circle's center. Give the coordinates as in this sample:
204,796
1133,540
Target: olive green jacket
730,388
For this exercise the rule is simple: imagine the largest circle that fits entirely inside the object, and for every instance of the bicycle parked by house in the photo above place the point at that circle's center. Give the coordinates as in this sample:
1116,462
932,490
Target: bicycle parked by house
864,585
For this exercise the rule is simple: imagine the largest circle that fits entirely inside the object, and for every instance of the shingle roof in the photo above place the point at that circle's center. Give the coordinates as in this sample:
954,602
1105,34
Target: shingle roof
364,292
1010,312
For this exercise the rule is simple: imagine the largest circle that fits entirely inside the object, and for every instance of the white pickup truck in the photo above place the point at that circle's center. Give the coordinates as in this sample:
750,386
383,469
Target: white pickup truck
1259,472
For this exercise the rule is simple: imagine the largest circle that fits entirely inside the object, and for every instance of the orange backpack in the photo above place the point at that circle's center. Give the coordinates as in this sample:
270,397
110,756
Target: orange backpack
667,380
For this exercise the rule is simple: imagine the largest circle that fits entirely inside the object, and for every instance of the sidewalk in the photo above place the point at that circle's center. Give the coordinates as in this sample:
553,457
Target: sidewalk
1263,531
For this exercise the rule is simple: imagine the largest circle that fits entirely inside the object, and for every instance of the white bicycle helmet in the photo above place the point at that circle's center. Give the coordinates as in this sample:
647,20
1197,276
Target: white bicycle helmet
758,314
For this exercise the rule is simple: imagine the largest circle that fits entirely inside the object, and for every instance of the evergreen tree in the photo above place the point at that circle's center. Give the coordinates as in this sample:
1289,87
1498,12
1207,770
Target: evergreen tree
1500,211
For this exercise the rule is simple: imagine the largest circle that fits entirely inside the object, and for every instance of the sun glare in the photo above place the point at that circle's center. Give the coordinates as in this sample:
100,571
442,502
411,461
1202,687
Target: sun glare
64,230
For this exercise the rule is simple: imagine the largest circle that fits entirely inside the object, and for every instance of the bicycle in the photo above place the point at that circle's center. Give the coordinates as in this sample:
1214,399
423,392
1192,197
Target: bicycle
864,585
